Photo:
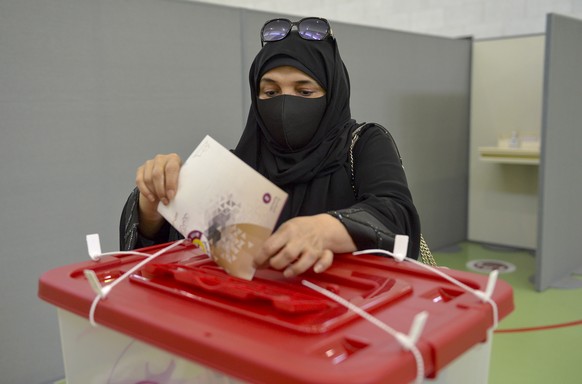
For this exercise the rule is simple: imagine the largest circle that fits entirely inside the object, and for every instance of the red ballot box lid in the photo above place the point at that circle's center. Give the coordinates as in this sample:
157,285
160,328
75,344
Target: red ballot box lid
274,329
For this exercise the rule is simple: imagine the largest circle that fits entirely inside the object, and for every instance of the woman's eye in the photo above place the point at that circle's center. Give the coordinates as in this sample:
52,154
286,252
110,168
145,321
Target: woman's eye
306,92
270,93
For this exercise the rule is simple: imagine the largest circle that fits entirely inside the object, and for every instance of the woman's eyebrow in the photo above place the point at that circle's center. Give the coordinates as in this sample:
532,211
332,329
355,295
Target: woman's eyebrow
267,80
300,82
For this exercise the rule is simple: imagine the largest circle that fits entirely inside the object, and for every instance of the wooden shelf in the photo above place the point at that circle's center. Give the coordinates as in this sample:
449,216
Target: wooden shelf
502,155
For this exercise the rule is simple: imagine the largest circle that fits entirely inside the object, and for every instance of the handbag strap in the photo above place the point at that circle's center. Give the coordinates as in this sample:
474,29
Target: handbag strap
355,136
426,256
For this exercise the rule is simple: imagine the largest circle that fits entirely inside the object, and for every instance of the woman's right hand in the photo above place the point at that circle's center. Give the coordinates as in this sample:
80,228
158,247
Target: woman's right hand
157,180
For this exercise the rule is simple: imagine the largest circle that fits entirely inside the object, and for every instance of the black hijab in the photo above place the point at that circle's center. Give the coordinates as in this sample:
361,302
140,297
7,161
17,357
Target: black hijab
309,175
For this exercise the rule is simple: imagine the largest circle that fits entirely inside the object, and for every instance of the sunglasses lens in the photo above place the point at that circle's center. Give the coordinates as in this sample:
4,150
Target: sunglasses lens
313,29
276,30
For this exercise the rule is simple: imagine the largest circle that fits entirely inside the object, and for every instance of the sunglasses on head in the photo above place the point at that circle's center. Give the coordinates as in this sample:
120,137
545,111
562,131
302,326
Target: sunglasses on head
309,28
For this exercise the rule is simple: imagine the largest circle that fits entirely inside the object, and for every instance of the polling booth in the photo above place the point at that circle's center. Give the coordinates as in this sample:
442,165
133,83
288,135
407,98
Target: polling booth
525,111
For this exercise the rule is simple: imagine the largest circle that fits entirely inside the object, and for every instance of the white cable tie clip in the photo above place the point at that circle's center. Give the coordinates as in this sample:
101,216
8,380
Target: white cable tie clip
491,283
400,247
417,326
94,246
100,290
409,341
399,252
485,296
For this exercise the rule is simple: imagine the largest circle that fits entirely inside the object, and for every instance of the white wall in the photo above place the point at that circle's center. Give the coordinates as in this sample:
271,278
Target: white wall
506,95
451,18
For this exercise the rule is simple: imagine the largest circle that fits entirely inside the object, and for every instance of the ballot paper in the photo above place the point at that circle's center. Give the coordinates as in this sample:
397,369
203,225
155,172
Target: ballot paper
224,206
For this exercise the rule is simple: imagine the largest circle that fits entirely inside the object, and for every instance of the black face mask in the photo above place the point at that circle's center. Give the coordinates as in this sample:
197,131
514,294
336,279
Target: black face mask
292,120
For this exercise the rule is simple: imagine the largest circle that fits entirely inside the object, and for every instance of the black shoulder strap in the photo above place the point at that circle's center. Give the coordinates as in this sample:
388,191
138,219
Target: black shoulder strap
355,136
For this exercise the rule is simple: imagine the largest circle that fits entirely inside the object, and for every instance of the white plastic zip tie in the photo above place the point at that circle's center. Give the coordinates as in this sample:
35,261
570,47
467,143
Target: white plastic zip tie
94,246
417,326
408,342
94,249
102,291
94,282
484,296
400,249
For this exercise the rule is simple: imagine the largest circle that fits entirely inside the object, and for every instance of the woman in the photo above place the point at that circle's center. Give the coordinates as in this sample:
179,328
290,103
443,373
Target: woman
346,184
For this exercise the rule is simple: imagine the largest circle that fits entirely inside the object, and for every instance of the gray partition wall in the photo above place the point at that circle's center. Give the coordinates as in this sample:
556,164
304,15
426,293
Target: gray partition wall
559,253
90,89
418,87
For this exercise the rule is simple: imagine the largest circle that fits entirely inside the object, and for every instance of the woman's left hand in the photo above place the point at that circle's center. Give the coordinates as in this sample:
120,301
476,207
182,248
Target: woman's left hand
305,242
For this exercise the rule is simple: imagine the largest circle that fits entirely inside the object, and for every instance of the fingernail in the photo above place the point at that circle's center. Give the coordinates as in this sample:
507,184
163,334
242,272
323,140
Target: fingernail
165,201
151,198
288,273
170,194
317,268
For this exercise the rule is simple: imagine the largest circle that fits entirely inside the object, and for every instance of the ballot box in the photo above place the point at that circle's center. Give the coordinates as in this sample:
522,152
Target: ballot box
182,319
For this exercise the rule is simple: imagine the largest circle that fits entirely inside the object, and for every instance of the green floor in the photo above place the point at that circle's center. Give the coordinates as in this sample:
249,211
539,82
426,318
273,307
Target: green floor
541,356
